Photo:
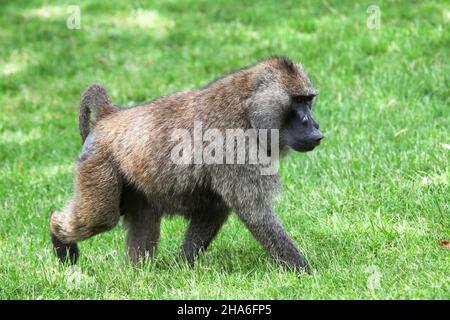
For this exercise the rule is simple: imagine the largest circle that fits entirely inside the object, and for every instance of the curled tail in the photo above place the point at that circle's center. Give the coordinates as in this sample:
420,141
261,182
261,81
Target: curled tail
94,100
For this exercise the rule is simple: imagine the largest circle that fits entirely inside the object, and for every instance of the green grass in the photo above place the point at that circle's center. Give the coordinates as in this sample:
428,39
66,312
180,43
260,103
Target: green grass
374,196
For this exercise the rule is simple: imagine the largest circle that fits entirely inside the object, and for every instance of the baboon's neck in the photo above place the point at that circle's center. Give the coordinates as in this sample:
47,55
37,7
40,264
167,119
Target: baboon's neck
238,85
224,103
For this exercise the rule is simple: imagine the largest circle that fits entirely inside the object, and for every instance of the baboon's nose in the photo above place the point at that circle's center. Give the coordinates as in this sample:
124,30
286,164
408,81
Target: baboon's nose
318,136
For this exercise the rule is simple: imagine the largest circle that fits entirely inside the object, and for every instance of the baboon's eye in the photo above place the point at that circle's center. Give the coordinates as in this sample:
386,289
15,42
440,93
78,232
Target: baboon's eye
302,99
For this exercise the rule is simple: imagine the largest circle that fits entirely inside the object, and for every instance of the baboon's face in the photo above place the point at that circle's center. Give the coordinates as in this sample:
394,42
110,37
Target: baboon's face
301,130
284,101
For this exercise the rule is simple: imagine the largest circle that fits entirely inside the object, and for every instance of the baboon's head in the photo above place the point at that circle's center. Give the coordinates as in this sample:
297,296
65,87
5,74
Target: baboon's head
283,100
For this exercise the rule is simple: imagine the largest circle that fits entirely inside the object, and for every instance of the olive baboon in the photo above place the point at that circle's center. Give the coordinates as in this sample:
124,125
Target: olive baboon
125,166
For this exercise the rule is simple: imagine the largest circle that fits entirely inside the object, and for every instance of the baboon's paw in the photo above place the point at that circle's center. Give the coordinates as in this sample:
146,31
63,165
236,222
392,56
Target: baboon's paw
303,267
66,252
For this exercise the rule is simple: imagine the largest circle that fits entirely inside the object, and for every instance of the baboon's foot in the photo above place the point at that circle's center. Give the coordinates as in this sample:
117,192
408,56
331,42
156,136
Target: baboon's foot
66,252
138,256
303,266
186,258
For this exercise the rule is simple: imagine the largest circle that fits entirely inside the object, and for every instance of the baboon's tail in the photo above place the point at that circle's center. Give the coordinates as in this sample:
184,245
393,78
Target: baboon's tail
96,100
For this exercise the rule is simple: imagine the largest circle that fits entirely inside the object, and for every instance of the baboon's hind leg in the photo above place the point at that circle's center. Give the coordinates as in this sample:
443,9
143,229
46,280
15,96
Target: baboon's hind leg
93,209
143,222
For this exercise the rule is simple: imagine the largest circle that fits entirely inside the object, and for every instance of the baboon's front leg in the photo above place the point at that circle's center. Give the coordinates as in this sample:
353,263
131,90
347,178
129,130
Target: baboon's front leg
143,225
202,229
267,229
250,195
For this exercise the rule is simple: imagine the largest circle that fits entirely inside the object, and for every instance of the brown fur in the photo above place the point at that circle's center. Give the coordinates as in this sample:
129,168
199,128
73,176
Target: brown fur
126,169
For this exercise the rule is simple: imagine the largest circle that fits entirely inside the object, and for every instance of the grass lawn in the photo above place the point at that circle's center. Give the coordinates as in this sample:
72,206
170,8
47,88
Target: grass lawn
367,208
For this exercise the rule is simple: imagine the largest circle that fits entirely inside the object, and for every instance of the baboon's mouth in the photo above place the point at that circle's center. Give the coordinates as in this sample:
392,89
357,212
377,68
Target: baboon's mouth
305,147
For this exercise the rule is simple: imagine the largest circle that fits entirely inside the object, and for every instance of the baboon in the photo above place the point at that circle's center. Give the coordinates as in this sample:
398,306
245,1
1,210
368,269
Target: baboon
125,166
